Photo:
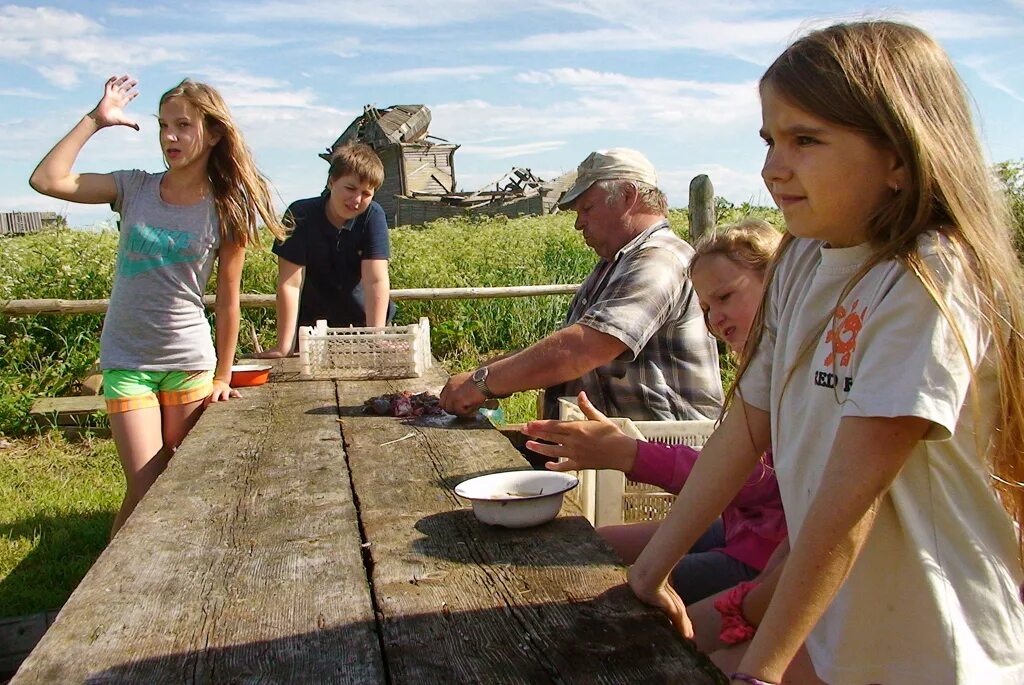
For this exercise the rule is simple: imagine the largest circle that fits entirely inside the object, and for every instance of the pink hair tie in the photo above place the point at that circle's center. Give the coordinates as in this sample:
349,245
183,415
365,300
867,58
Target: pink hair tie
735,626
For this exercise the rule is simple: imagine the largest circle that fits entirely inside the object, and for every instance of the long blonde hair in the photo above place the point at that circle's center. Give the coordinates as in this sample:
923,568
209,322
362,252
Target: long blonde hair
895,85
240,192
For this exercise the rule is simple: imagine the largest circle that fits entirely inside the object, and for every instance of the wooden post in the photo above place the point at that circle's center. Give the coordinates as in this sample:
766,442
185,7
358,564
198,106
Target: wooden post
702,207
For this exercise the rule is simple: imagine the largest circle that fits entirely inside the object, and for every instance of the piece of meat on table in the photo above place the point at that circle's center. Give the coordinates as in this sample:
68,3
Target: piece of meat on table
404,403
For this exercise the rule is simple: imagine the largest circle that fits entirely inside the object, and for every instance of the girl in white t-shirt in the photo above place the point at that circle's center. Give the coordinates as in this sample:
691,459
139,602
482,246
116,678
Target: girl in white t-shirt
887,370
159,364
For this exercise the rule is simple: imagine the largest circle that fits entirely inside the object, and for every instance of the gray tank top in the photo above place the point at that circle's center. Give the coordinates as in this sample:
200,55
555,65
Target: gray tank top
165,254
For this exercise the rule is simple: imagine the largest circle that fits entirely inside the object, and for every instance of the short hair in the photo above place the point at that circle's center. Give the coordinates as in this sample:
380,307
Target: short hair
651,199
358,159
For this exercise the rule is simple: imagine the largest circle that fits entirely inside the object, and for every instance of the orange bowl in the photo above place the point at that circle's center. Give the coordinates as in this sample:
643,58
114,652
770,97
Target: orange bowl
243,375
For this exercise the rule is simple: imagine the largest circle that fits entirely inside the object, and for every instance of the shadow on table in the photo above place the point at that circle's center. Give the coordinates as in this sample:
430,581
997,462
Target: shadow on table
443,421
566,541
610,639
328,409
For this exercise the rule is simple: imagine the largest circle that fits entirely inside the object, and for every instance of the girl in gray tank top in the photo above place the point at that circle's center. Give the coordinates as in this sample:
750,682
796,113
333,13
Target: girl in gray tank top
160,365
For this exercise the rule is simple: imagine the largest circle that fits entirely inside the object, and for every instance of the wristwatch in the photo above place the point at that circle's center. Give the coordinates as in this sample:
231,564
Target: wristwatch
479,379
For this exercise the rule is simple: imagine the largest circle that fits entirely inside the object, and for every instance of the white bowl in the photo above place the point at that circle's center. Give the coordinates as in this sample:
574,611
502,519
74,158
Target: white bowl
517,499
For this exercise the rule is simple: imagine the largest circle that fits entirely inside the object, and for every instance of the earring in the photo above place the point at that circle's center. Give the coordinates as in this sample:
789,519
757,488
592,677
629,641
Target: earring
896,189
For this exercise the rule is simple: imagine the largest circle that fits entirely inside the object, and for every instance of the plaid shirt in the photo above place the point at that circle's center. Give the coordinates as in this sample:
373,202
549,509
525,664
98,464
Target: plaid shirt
644,298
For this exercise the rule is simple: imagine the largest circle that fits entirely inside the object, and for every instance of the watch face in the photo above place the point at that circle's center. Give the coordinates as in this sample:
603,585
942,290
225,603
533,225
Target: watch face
480,374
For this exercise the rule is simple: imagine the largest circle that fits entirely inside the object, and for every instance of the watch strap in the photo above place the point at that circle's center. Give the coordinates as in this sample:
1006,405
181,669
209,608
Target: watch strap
480,381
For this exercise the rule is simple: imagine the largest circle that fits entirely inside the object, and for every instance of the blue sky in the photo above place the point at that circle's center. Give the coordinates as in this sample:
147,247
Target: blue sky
535,83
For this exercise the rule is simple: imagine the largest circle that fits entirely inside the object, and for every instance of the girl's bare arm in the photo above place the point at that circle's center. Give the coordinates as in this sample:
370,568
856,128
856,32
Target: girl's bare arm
230,259
724,465
866,457
54,175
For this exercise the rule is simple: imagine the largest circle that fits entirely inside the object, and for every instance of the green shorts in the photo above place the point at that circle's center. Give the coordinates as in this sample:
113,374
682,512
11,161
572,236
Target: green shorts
128,389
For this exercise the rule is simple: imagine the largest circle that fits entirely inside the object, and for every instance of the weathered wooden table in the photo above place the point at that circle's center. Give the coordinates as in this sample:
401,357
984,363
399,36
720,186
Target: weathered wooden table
287,543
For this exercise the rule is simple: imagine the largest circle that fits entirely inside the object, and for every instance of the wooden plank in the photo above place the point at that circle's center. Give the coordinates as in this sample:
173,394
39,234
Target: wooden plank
242,564
463,602
83,405
18,636
253,300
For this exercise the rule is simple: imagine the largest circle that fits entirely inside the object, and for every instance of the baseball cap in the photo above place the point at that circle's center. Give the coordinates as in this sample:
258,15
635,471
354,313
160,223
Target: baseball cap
620,163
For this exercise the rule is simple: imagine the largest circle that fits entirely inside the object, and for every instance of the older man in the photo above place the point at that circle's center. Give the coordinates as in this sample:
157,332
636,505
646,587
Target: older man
634,338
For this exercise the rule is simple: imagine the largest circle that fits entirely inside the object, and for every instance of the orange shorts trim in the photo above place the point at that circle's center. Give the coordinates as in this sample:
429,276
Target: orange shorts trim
123,404
127,390
176,397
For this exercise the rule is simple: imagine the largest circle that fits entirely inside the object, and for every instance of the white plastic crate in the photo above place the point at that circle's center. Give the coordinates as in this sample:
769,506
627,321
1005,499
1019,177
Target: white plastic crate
606,496
364,353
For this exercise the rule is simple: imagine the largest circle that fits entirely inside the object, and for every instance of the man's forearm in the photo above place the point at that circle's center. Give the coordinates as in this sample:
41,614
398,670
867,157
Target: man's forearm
562,356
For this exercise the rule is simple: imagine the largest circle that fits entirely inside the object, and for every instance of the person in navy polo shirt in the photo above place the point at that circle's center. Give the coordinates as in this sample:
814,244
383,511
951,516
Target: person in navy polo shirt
334,263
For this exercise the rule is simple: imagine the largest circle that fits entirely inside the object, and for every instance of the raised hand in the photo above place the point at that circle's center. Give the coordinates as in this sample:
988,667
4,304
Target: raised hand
118,91
593,444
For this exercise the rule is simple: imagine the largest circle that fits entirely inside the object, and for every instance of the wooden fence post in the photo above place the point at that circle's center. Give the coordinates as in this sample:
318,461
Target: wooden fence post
702,207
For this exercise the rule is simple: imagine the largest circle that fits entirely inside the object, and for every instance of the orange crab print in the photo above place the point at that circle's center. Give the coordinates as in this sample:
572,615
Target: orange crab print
846,325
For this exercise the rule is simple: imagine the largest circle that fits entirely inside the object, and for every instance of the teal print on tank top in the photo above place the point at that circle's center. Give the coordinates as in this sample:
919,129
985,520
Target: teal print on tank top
149,247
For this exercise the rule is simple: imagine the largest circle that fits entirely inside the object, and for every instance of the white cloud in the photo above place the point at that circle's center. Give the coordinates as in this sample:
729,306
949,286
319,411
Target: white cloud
742,30
65,46
604,102
346,47
126,11
383,14
990,72
949,25
421,74
736,185
24,93
20,21
507,151
748,31
60,75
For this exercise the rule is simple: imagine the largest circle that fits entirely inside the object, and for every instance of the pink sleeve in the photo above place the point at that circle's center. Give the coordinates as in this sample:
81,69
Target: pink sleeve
666,466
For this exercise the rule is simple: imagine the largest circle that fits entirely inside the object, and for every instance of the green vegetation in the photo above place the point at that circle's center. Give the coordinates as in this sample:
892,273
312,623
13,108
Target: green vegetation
58,502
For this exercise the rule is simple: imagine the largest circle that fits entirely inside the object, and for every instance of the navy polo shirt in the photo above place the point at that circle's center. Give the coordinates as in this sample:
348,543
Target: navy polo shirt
333,260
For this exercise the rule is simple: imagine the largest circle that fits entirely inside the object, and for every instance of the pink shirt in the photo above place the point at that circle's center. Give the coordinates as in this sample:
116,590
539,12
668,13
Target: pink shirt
754,522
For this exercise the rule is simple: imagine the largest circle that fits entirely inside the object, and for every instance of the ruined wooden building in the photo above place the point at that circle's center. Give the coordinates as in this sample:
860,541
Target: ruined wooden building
419,172
22,223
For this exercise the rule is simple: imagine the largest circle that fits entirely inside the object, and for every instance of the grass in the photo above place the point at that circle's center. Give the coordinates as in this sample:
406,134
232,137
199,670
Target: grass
58,502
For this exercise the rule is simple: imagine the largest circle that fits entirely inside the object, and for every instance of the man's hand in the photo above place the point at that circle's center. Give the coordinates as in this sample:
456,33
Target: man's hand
460,395
593,444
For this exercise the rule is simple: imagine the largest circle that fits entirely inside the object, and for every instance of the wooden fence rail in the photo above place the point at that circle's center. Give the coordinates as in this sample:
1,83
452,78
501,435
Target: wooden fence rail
251,301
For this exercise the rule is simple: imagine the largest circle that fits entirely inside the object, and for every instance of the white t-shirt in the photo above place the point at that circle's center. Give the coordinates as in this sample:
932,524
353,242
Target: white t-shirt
934,595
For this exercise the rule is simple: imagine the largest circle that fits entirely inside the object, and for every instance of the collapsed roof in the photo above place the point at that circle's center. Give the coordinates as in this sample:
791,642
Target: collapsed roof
380,128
